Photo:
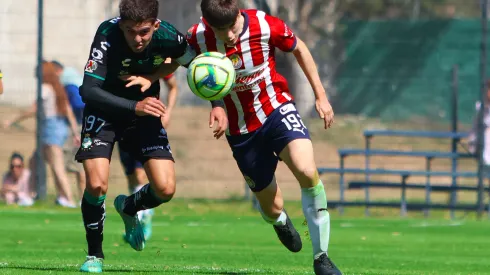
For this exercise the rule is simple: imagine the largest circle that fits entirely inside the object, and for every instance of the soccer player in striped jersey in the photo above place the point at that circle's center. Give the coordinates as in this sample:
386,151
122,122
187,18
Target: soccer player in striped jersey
264,125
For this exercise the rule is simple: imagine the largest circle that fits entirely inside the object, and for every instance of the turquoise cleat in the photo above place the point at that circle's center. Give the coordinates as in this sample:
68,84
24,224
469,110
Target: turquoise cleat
134,231
92,265
145,219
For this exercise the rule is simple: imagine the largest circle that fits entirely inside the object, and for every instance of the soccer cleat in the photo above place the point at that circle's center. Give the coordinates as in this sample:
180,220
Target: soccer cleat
92,265
134,231
288,236
145,219
324,266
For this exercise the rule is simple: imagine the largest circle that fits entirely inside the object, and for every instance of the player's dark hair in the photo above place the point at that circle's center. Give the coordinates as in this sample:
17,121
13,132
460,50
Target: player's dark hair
219,13
138,10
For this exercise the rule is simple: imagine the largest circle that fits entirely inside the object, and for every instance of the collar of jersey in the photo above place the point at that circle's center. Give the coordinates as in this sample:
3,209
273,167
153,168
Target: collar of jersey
245,23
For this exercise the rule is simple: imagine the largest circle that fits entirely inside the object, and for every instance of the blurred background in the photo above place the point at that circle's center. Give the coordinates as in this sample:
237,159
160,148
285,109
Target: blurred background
386,64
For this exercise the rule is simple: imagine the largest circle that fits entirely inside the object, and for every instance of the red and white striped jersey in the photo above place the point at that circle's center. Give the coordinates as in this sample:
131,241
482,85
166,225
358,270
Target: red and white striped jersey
258,88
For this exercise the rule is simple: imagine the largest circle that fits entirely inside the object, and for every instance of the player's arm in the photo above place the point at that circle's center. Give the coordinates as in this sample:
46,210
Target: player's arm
1,83
171,83
308,65
283,38
95,74
165,70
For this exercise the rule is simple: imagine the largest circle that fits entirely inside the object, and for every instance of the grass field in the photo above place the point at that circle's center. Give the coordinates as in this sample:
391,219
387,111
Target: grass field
199,237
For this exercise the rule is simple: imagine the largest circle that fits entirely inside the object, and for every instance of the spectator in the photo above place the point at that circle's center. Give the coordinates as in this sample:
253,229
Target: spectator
71,80
1,83
58,119
473,137
15,183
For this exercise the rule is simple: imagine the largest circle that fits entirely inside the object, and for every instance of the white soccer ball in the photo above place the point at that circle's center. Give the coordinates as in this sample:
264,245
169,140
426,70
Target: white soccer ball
211,75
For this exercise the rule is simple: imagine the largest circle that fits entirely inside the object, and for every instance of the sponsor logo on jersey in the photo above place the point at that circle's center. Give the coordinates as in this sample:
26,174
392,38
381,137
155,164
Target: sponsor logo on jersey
157,60
236,61
125,62
287,31
247,82
91,66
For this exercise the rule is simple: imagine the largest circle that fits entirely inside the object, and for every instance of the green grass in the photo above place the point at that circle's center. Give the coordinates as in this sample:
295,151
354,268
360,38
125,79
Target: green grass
199,237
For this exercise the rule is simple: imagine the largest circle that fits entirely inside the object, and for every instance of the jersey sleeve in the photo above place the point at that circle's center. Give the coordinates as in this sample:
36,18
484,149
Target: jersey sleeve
168,77
282,36
1,74
177,45
96,66
191,38
95,74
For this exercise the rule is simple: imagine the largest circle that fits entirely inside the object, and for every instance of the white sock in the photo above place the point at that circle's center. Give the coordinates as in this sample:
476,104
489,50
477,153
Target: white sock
314,202
281,220
137,188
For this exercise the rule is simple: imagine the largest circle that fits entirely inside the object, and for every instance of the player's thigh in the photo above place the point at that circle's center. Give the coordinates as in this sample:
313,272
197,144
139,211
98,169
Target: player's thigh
290,139
150,140
256,162
97,174
298,156
152,148
98,137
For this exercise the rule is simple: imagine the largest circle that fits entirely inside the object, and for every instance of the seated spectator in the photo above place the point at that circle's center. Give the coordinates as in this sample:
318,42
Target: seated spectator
57,121
473,137
15,183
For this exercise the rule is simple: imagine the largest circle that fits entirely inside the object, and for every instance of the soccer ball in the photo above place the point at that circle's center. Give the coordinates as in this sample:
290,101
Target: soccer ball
211,75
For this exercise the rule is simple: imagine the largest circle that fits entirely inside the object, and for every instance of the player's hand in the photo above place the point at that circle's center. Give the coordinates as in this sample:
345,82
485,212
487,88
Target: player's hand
166,119
325,111
150,106
144,81
218,115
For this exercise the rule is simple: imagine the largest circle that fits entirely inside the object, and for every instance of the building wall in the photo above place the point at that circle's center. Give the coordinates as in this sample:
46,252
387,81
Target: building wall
69,26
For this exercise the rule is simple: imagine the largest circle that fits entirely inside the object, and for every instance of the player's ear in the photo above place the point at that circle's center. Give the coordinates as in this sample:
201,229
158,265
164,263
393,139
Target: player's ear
157,24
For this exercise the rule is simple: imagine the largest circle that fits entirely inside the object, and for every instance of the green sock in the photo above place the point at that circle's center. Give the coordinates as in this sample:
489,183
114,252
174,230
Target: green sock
314,202
94,200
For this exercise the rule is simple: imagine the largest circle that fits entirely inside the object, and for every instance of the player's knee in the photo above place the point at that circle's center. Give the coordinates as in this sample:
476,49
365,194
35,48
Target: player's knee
307,176
96,187
165,189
